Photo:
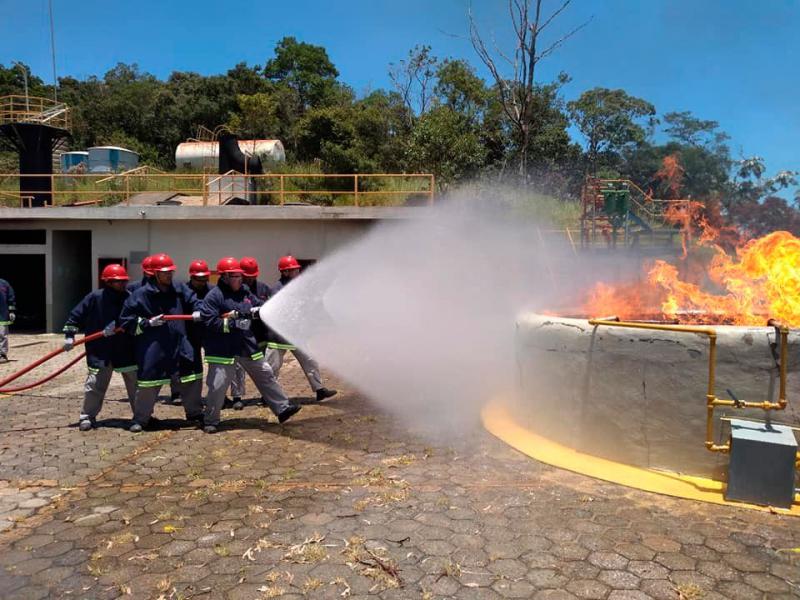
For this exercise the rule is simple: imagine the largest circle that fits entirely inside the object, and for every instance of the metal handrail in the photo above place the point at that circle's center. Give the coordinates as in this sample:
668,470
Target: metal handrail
83,186
16,108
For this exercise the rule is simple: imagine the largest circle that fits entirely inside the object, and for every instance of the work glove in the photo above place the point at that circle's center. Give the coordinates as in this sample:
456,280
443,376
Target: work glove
255,311
196,316
243,324
69,344
12,317
156,321
110,329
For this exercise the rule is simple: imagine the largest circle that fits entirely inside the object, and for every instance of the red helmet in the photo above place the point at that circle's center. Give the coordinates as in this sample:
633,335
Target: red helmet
287,263
199,268
146,265
229,264
114,272
161,262
249,266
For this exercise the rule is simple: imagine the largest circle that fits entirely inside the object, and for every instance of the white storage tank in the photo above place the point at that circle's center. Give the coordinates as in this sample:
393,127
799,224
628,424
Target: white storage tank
111,159
205,155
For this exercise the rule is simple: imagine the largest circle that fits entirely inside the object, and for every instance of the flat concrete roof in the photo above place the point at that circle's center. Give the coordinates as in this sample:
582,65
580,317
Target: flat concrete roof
218,213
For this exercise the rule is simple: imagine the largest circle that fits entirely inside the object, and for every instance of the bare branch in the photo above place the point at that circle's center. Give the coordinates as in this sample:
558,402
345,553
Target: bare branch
554,15
550,49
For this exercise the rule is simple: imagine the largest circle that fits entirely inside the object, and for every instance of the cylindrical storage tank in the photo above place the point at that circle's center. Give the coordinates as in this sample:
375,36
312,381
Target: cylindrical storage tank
111,159
266,150
205,155
638,396
70,160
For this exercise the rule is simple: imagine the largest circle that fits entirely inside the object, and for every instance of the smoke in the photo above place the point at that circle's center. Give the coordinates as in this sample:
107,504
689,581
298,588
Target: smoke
419,315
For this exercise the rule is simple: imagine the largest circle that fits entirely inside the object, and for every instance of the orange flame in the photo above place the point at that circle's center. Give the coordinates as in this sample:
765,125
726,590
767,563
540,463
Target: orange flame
760,280
671,172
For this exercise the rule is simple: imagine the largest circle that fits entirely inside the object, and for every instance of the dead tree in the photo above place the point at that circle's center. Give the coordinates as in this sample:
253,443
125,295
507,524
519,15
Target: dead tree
413,78
517,91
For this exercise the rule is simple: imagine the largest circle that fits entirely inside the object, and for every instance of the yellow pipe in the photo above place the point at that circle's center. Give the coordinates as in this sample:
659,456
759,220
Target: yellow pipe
711,399
656,326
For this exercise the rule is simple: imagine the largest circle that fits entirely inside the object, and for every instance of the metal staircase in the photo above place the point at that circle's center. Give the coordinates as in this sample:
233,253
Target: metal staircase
618,213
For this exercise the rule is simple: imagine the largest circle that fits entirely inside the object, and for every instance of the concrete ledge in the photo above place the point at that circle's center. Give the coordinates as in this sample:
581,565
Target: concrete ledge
216,213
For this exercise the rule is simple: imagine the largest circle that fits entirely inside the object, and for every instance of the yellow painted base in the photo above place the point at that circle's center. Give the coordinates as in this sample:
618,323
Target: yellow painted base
499,421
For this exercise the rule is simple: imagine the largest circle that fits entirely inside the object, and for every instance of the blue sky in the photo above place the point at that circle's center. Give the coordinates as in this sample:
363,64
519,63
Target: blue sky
734,61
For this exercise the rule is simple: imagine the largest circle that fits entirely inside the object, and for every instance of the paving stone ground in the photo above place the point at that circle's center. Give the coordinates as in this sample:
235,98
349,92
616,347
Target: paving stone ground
341,502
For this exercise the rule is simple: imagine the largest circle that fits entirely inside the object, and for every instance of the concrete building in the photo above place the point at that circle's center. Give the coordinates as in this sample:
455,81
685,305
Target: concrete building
53,256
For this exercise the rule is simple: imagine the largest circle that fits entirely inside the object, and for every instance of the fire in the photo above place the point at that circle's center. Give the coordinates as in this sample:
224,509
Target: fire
719,278
761,280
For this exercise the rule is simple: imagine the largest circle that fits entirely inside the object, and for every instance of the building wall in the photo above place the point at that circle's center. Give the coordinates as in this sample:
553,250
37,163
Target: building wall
184,241
187,239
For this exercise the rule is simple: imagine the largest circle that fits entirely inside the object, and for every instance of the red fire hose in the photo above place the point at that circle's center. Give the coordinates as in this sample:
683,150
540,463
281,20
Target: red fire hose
54,353
52,375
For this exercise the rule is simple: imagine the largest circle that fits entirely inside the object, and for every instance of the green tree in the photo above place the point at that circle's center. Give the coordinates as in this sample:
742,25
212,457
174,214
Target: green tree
688,129
610,121
459,88
266,114
305,68
12,81
444,143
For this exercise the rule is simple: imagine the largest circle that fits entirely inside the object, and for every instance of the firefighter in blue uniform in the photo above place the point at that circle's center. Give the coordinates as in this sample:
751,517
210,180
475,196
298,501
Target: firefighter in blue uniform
100,311
227,313
277,346
250,272
7,316
162,346
199,286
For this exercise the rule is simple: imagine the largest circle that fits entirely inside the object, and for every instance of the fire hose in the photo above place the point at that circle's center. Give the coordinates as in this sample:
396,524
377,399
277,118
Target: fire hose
54,353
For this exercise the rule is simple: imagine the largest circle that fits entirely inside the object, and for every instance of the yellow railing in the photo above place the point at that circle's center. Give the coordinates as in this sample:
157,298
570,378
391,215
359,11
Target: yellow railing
369,189
33,109
712,401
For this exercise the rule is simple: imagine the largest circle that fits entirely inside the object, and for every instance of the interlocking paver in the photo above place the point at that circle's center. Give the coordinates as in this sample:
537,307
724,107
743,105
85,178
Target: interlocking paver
342,498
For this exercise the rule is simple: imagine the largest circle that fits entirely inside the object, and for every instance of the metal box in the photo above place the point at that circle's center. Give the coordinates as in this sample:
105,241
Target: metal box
762,465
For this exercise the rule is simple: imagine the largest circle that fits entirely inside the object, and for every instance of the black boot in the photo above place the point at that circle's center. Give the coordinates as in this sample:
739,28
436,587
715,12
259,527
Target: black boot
325,393
288,413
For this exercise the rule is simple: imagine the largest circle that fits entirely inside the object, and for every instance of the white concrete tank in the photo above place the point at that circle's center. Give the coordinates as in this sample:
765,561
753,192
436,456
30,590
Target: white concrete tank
638,396
205,155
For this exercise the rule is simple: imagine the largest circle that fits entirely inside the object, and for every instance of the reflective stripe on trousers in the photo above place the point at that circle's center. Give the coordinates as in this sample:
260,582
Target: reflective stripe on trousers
220,376
146,400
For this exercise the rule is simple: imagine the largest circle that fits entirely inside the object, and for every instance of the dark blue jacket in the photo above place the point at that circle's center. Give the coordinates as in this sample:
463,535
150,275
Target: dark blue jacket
263,292
195,330
163,350
7,302
135,285
222,340
279,285
92,314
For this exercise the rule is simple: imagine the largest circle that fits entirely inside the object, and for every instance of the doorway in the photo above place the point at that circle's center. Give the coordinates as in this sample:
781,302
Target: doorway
72,272
26,274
